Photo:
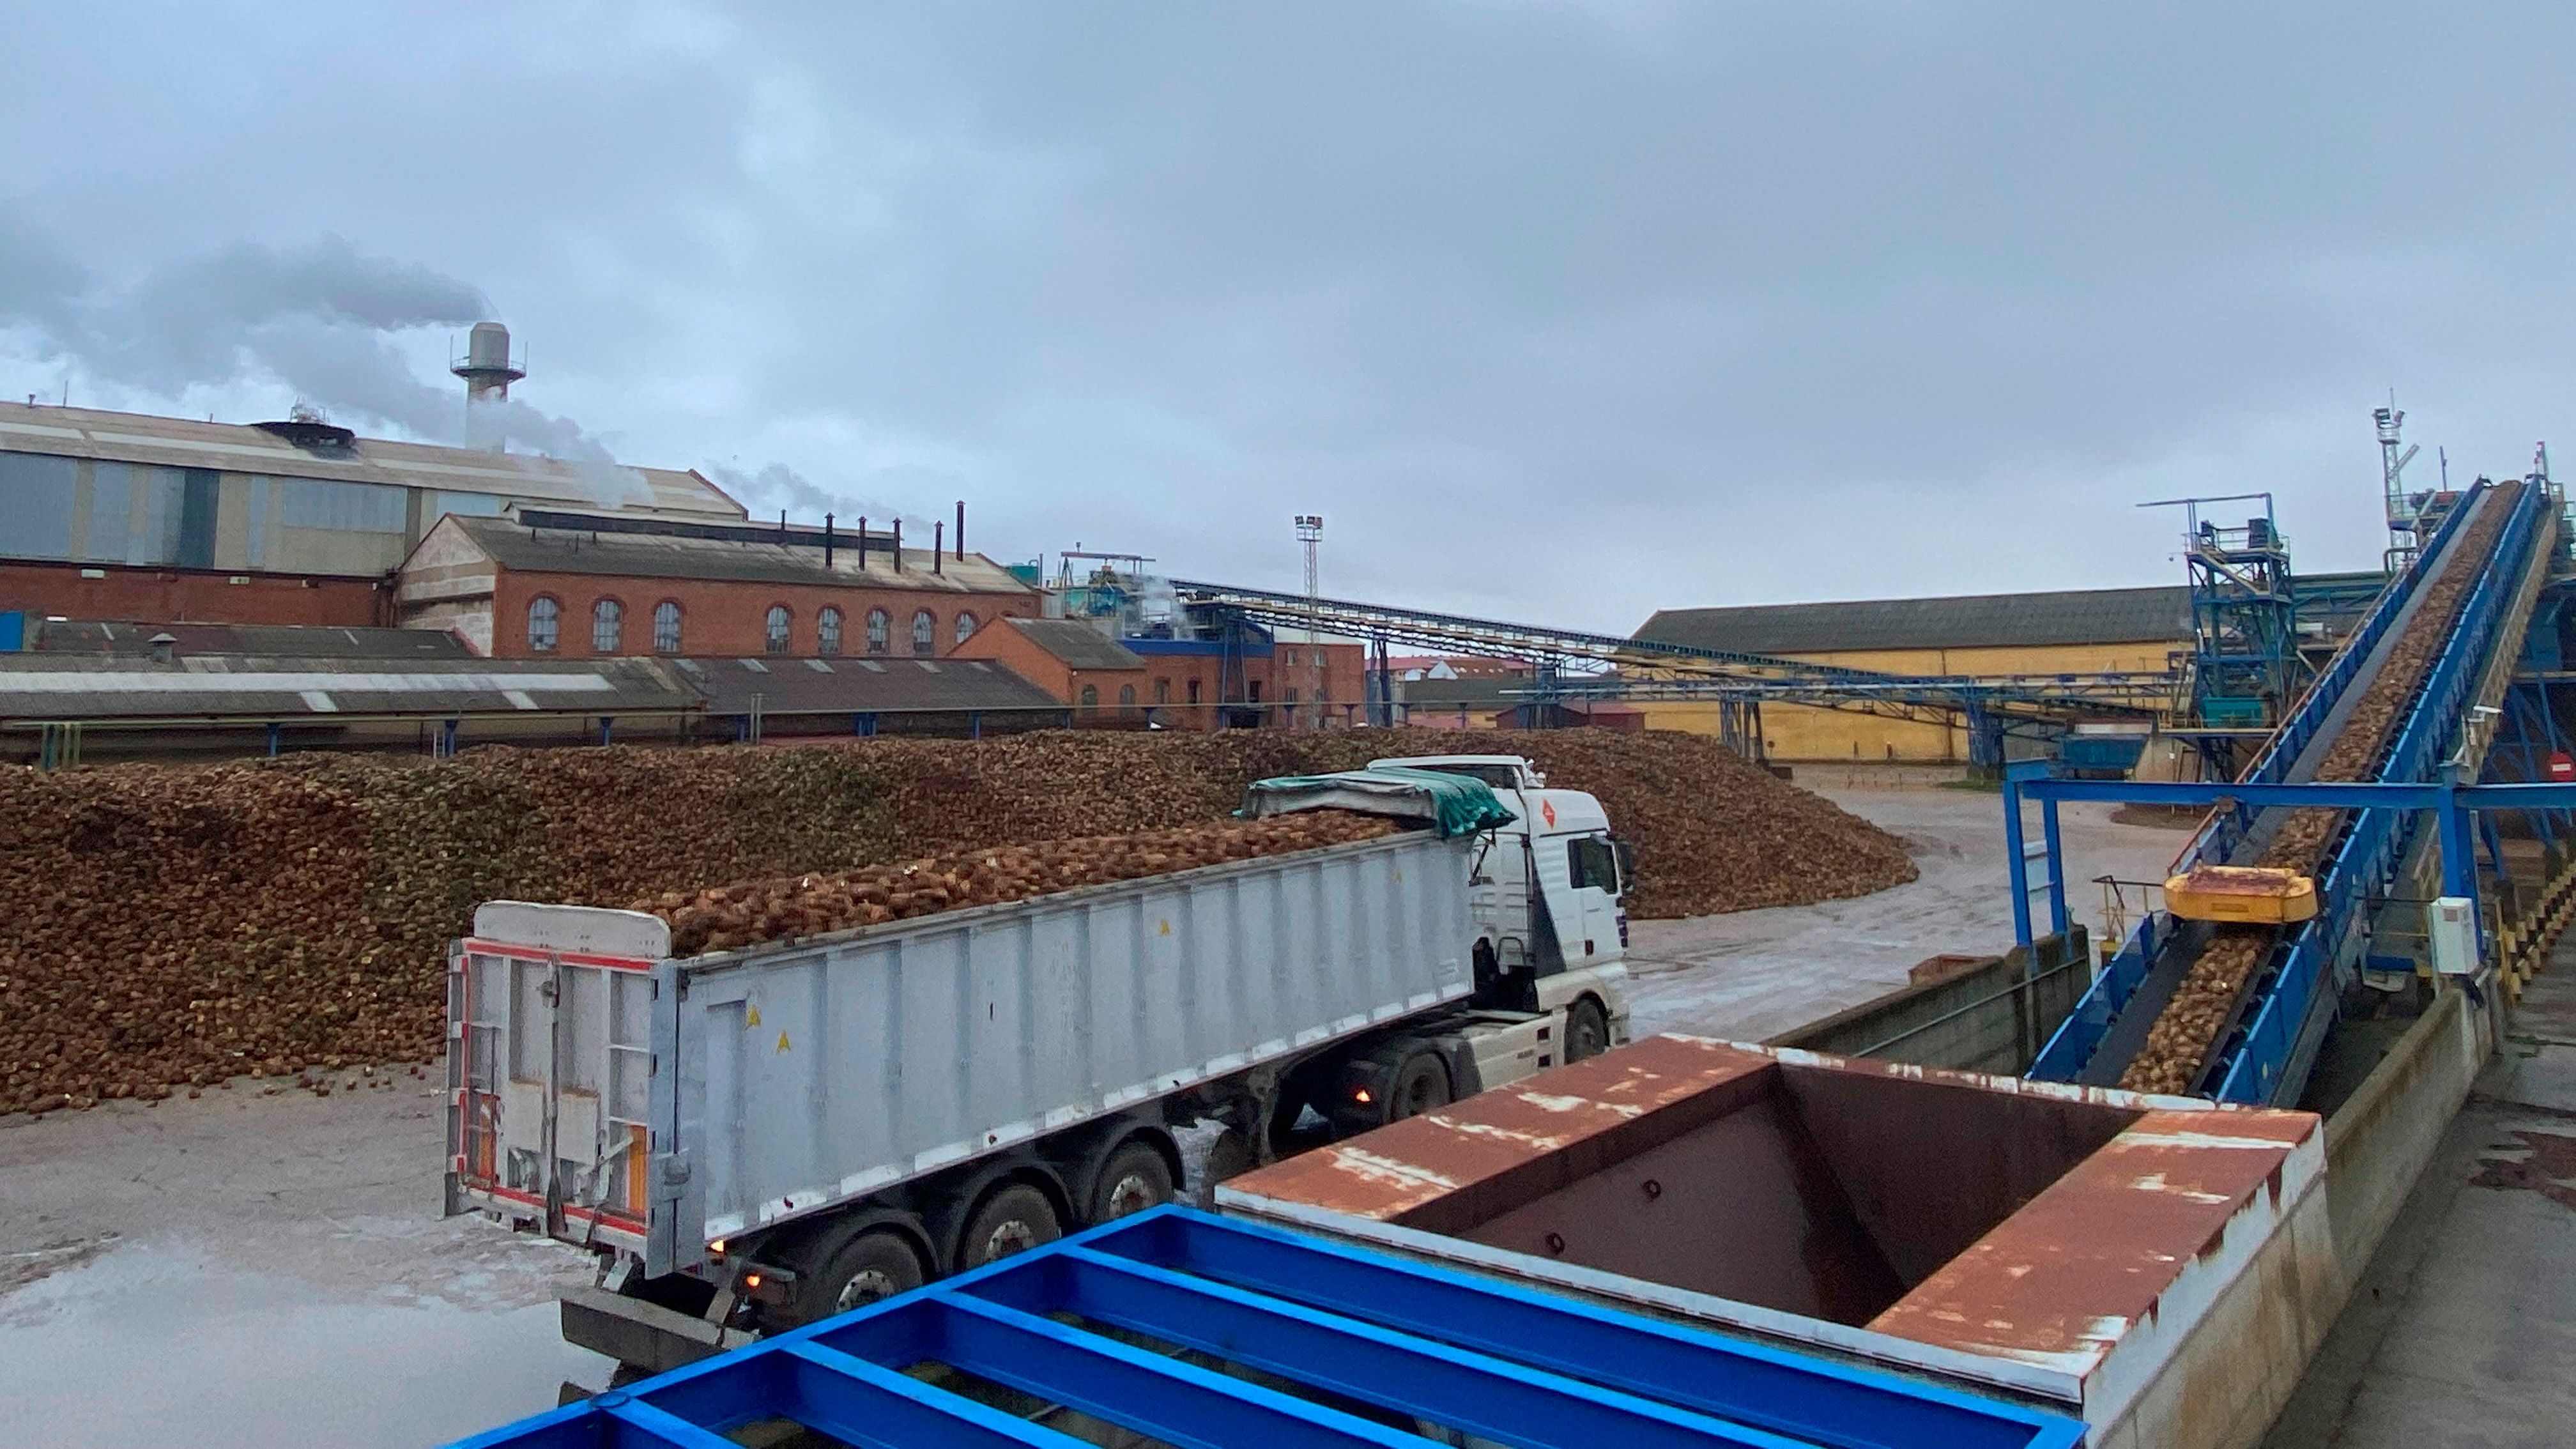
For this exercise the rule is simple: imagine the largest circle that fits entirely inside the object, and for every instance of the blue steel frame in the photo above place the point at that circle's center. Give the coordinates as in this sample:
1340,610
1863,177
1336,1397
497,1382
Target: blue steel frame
1393,1340
2292,988
2244,609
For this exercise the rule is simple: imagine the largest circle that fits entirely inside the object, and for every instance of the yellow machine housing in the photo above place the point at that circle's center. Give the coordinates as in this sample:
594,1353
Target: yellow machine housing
2242,895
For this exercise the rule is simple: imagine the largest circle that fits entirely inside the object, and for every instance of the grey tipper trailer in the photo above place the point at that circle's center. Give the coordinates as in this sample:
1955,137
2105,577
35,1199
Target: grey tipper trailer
756,1138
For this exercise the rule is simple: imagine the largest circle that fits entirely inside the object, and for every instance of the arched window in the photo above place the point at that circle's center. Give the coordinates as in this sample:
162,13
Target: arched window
607,626
666,627
1126,699
965,625
774,632
1091,699
545,623
827,631
925,630
879,627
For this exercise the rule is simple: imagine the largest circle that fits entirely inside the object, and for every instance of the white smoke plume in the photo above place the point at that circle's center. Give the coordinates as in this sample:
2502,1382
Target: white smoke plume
318,318
779,486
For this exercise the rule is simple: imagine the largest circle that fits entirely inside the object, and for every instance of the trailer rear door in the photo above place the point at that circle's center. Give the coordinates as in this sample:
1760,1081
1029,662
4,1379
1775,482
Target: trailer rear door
550,1063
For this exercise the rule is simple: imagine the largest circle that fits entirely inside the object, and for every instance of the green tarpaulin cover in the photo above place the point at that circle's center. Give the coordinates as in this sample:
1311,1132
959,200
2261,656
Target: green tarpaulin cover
1452,804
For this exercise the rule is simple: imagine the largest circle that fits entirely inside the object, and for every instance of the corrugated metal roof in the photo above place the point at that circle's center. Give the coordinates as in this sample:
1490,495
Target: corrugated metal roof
649,555
243,448
279,641
861,686
250,687
1078,645
2071,616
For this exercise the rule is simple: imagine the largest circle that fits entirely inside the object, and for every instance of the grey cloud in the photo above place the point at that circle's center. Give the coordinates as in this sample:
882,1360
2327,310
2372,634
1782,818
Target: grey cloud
1553,310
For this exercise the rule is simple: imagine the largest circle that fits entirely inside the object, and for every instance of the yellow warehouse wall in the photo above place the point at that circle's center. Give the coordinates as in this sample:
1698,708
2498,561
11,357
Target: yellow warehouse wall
1793,732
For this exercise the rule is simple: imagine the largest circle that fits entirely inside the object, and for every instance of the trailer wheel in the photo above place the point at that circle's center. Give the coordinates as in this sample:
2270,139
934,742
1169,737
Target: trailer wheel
1284,1114
1587,1031
1135,1178
868,1265
1014,1219
1421,1084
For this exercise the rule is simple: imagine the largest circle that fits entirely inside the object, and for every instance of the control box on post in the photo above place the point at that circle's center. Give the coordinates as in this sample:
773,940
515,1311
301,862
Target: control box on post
2452,927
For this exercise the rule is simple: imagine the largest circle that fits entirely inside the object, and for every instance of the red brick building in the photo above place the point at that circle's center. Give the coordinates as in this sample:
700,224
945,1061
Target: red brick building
545,583
1196,684
78,591
1207,684
1072,661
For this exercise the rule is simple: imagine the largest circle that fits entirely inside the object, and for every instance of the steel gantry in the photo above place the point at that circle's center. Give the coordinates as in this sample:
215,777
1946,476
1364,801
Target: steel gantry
1574,665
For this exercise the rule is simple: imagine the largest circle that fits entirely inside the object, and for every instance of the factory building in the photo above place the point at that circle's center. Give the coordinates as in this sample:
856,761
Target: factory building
1069,659
2076,631
544,583
1243,679
108,515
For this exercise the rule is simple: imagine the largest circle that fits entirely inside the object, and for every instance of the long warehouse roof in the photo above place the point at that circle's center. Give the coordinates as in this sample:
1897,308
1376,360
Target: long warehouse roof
59,687
310,451
861,686
116,638
626,553
2068,616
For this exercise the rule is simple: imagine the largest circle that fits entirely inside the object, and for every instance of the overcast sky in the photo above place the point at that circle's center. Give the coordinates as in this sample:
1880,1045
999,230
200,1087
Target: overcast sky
1555,312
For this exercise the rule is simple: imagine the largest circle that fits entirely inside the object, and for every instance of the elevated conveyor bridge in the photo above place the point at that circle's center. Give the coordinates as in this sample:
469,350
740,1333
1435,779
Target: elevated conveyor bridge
1575,665
2394,732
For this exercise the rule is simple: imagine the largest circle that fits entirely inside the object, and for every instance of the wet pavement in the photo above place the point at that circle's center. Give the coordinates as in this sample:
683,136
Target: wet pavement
257,1269
2463,1330
263,1270
1755,974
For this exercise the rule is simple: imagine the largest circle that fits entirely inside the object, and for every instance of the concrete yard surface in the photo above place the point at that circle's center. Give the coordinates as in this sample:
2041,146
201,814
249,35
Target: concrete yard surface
262,1270
2463,1329
1755,974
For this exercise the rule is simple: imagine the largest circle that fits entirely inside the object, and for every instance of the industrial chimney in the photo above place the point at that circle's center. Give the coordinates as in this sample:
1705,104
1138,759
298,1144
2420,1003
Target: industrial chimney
487,368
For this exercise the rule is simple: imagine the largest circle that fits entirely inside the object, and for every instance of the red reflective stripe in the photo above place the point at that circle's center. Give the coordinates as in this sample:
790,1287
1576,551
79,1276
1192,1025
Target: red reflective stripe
613,963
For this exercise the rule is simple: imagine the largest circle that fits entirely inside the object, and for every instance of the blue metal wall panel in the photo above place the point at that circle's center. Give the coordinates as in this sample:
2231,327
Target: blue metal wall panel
1169,1309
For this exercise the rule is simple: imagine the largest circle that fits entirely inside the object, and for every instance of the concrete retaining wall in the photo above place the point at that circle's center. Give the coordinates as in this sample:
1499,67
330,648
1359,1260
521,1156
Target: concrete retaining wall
1987,1018
2380,1140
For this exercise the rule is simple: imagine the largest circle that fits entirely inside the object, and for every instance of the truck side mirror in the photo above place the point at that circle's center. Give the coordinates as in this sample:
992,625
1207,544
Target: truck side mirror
1627,855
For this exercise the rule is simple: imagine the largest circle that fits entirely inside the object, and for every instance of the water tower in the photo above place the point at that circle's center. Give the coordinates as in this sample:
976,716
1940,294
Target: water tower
487,368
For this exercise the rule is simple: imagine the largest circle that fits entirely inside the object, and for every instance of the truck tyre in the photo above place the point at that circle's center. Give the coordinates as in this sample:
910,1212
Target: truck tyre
1420,1084
1015,1218
1587,1031
871,1264
1284,1113
1229,1155
1135,1178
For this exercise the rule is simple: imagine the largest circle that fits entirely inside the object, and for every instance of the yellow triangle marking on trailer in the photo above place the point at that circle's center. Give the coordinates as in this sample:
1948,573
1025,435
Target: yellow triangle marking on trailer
782,1041
753,1019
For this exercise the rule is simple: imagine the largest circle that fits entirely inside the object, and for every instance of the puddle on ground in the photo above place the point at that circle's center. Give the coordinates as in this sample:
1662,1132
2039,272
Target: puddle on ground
2549,1161
158,1343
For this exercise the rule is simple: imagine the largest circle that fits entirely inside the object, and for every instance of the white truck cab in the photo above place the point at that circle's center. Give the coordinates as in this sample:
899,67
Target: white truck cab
1547,896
